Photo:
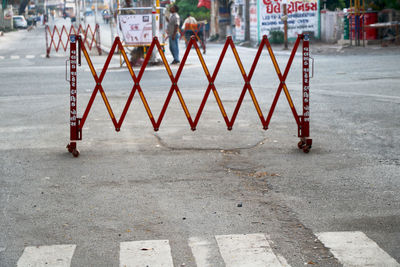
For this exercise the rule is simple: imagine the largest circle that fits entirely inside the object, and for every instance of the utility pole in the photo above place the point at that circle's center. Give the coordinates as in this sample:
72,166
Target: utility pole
95,11
285,28
78,12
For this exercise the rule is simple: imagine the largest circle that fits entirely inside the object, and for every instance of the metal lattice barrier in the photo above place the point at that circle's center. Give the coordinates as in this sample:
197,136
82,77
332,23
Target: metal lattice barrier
60,39
302,121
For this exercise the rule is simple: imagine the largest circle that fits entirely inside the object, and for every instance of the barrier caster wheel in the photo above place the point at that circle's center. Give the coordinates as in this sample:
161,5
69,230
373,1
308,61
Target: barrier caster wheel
75,153
70,149
301,144
306,149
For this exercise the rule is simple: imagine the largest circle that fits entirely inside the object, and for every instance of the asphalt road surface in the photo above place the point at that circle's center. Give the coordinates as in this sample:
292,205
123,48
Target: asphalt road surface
211,197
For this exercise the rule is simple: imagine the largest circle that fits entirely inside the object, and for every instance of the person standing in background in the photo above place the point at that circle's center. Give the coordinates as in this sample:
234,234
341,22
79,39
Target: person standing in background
173,35
190,27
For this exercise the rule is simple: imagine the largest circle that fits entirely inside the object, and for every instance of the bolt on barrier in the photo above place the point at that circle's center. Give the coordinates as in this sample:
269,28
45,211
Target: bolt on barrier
54,37
303,120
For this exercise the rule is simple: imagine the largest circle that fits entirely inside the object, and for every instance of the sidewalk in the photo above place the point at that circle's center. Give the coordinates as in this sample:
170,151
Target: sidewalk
108,34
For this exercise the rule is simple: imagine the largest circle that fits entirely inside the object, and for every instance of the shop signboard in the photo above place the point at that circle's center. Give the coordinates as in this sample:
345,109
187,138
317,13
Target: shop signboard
136,29
302,16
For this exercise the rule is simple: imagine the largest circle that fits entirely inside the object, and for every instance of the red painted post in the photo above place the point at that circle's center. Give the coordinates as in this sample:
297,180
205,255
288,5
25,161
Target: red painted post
304,127
47,42
98,41
306,87
73,120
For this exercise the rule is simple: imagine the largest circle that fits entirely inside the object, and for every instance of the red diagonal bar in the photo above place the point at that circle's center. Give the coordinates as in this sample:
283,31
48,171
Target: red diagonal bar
247,86
98,86
278,92
174,87
140,75
215,73
209,87
135,87
89,30
59,37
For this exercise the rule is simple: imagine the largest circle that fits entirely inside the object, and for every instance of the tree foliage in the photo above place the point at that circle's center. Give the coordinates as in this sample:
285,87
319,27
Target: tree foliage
383,4
373,4
187,7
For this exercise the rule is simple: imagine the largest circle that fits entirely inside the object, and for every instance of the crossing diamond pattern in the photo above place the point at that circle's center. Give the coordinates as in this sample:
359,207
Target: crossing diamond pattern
305,143
54,38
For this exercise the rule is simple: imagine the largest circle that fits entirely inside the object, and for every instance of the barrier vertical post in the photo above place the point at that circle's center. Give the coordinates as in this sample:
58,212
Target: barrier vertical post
47,42
98,43
73,120
306,86
304,127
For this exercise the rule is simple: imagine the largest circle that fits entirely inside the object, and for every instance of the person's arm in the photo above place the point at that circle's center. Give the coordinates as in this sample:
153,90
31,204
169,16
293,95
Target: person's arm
175,20
175,31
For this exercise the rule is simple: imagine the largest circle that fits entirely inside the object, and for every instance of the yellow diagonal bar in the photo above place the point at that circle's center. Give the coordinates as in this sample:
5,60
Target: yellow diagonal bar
127,63
288,95
274,60
165,62
202,61
238,60
145,104
255,102
183,103
219,103
89,63
107,105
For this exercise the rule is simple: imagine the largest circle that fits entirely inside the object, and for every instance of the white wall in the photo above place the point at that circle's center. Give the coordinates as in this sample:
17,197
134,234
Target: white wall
331,26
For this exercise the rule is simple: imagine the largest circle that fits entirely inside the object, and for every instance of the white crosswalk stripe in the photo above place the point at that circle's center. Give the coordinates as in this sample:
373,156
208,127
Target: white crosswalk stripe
247,250
154,253
15,57
356,249
57,255
353,249
201,251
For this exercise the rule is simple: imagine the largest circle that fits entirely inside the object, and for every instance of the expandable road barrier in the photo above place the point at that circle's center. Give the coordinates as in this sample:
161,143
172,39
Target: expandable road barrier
303,120
91,38
199,32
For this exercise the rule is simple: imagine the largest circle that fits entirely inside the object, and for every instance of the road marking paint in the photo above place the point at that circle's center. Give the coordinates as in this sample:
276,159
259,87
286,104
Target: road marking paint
154,253
356,249
30,56
1,57
14,57
57,255
43,56
200,250
247,250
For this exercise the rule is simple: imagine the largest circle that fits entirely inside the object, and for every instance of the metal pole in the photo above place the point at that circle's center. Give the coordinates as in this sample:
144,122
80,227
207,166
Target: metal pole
153,19
111,21
77,22
84,13
285,28
153,58
95,11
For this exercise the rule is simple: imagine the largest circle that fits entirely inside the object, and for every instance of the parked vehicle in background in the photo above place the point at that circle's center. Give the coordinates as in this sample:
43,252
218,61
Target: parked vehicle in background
106,15
69,12
88,12
32,19
20,22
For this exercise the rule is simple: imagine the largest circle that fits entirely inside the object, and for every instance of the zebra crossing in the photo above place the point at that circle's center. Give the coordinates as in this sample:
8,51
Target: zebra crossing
18,57
237,250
